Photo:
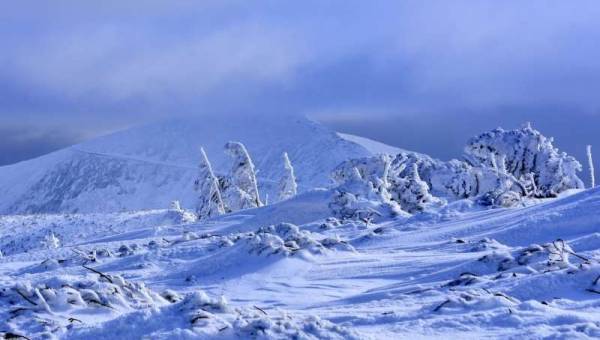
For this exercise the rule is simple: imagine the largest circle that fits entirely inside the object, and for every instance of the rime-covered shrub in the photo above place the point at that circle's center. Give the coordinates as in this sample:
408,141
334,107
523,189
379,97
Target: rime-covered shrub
210,203
501,168
411,192
283,239
359,198
239,189
526,154
287,185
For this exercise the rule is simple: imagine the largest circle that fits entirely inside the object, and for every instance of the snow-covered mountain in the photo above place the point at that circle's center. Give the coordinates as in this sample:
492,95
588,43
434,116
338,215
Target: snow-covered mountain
148,166
502,245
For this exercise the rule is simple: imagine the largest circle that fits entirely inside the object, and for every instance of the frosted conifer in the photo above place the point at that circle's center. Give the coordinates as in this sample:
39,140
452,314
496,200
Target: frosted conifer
591,166
287,186
240,188
210,202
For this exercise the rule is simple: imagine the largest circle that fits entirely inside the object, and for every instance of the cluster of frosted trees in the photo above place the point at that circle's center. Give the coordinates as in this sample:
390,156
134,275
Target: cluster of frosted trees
500,168
239,188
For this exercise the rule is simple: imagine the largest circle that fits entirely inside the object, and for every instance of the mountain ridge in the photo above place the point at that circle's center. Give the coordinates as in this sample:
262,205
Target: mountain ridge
147,166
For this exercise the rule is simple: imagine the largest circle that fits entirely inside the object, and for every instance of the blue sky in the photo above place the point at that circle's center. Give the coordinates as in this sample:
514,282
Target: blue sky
423,75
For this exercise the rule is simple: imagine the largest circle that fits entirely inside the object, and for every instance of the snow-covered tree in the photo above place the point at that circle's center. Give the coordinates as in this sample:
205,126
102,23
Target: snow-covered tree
51,241
176,206
240,188
210,202
287,186
375,170
591,166
501,168
526,151
411,192
357,198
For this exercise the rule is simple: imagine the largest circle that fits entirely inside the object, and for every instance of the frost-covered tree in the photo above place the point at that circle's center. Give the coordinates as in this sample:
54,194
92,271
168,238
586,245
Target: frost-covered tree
526,151
175,206
591,166
357,198
51,241
375,170
287,186
411,192
210,202
240,188
500,168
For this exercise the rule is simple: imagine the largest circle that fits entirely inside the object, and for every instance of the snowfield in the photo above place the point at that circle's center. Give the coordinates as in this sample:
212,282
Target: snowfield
461,271
358,240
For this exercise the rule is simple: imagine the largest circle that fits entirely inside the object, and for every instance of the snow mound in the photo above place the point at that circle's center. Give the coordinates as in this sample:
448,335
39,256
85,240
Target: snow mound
53,307
284,239
199,316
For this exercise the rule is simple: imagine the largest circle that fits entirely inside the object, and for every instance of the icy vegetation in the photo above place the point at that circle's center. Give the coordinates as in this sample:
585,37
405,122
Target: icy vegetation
501,168
210,203
503,244
240,188
288,187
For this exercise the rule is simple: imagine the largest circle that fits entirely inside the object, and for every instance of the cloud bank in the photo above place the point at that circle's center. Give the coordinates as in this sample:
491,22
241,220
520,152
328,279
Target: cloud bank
86,68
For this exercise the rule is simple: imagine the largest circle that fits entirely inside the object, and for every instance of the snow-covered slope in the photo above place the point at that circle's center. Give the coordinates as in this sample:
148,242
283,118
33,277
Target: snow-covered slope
460,271
373,146
148,166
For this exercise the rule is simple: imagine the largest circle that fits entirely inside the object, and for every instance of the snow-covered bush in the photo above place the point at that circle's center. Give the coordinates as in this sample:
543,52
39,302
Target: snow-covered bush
177,214
287,186
209,203
588,151
200,316
373,170
51,241
411,192
283,239
239,189
501,168
522,153
53,302
359,198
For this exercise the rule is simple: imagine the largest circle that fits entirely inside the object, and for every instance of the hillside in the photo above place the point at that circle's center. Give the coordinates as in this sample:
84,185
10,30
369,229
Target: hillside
461,271
146,167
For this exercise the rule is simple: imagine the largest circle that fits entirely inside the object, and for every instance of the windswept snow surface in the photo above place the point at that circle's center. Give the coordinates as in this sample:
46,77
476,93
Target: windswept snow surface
289,270
372,146
149,166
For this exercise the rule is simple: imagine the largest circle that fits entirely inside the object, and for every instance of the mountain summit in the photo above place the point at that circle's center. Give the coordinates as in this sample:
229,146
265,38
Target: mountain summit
148,166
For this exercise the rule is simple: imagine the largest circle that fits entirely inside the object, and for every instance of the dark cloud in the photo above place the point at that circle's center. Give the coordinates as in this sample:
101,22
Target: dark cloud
24,142
446,137
93,67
